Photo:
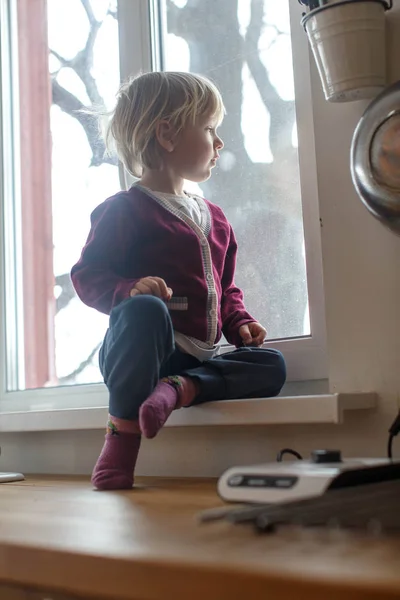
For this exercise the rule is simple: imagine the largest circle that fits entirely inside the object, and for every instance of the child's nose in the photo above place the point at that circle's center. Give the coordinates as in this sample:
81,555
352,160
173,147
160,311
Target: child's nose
218,144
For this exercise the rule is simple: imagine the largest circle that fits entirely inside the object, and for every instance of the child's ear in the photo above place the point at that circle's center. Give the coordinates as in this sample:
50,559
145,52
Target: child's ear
166,135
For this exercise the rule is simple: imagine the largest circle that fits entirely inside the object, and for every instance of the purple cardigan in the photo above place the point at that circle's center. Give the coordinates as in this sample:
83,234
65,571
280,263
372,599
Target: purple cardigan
133,236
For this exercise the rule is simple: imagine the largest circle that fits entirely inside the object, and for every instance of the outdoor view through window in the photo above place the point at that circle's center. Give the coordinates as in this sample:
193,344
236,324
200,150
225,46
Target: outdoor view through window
245,47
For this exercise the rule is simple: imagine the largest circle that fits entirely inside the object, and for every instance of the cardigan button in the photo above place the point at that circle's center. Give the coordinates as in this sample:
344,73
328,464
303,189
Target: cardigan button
213,312
209,277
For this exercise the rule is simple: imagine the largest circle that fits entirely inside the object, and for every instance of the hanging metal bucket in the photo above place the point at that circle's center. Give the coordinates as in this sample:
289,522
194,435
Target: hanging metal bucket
347,38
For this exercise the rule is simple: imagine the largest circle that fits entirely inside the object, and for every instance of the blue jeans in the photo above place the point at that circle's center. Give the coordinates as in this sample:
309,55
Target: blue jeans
139,349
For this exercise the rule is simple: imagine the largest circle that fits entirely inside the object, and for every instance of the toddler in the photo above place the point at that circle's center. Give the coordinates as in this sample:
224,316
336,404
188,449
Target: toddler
161,262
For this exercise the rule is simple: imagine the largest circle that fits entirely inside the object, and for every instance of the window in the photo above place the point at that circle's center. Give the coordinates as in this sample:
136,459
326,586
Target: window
59,56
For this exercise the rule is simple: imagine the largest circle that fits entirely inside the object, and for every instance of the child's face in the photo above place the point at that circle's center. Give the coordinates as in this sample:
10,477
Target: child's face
196,150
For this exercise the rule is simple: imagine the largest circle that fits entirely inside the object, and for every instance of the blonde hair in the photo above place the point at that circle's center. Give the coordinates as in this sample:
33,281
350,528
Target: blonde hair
144,100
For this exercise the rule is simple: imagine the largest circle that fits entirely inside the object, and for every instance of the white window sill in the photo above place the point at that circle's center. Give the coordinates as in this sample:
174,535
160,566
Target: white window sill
283,410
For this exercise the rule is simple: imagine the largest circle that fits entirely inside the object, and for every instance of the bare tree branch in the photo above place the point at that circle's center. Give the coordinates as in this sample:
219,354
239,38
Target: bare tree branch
83,60
75,108
82,64
174,18
89,11
63,61
281,112
186,22
257,69
81,367
112,10
67,291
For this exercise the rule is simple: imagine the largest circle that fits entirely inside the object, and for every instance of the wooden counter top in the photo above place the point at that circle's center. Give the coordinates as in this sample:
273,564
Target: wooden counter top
59,536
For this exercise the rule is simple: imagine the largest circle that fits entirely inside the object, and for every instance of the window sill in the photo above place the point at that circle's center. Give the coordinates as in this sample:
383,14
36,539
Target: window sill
283,410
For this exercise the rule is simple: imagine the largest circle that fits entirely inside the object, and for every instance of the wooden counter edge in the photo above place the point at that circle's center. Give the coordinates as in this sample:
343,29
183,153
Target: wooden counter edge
90,576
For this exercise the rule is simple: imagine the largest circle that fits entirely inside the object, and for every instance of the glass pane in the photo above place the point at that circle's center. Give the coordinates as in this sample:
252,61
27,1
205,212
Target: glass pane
245,47
68,61
82,175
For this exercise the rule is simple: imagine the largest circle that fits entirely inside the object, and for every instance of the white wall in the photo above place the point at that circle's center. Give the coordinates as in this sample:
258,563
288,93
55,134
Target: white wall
362,286
361,270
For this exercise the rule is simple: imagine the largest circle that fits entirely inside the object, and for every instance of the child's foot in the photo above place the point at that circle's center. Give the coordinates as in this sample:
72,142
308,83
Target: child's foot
117,460
169,394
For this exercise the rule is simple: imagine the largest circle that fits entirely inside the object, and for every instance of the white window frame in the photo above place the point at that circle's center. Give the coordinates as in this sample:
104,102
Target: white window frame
306,357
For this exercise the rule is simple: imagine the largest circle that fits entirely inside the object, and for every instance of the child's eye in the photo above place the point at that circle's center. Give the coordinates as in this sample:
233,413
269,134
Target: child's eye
211,129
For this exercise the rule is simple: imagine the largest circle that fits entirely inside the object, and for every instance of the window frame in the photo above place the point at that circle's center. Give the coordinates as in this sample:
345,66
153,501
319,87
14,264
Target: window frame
306,357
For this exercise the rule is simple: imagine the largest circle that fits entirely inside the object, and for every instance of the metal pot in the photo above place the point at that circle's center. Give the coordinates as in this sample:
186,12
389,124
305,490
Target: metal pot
375,158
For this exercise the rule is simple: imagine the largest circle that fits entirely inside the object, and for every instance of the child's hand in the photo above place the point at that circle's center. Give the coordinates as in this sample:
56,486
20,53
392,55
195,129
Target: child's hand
253,334
152,286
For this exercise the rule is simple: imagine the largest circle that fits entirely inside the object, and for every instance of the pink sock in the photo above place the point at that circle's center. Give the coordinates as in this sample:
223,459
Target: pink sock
170,393
116,463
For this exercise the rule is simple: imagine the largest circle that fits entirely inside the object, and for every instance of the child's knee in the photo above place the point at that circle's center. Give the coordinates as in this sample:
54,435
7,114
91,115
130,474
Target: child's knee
279,363
146,309
275,365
